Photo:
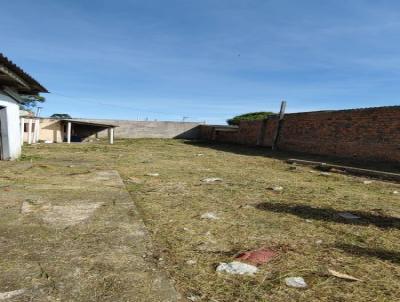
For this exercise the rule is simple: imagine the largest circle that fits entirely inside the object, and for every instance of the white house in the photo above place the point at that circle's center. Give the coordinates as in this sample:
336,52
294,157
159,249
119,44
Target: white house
14,82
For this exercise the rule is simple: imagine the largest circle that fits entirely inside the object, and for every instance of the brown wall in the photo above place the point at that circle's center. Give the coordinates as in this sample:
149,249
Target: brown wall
363,134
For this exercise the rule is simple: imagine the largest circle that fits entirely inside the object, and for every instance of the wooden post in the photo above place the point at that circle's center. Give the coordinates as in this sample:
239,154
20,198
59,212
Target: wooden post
30,131
68,132
278,128
111,135
22,130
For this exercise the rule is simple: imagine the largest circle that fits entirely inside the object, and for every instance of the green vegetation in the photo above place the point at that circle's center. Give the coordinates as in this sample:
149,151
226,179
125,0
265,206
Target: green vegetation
60,116
31,101
253,116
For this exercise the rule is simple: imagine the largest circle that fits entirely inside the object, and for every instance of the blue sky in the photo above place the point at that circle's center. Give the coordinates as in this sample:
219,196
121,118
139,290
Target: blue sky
205,60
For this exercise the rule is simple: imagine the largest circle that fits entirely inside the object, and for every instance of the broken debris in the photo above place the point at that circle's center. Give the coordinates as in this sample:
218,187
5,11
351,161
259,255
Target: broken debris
296,282
325,174
211,180
342,276
153,174
209,215
257,257
11,294
237,268
347,215
276,188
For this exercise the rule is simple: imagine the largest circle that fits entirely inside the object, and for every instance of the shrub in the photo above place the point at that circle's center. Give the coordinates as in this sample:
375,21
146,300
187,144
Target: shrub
253,116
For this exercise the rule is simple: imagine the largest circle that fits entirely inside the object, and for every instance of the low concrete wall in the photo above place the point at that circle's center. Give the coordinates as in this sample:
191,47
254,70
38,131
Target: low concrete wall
151,129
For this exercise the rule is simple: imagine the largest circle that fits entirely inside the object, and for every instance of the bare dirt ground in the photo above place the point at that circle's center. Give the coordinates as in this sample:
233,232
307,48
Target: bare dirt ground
302,223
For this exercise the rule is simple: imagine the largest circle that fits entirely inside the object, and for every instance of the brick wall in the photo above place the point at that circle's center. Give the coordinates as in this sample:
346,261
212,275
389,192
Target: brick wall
372,133
362,134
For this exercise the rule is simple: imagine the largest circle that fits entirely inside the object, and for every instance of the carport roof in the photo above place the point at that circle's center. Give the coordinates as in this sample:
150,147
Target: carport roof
89,123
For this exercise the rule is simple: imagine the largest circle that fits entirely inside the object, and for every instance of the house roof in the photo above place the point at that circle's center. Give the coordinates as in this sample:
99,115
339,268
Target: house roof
13,76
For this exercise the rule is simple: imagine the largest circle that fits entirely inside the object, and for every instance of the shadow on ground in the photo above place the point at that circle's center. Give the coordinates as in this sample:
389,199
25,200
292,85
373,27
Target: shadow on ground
330,214
378,253
283,155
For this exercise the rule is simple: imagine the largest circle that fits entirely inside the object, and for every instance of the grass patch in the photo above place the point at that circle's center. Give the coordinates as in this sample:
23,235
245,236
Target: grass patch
302,222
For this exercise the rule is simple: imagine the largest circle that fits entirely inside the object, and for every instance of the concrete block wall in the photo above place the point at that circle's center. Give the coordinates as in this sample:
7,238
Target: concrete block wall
362,134
151,129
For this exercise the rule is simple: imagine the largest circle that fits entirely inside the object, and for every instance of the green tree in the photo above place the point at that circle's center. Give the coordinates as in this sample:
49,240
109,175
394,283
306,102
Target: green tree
252,116
60,116
31,101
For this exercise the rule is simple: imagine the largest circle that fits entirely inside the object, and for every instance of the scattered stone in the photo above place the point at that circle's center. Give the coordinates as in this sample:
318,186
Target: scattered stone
257,257
200,154
209,215
11,294
296,282
309,221
191,262
348,215
318,241
237,268
367,182
193,298
153,174
211,180
342,276
325,174
276,188
395,192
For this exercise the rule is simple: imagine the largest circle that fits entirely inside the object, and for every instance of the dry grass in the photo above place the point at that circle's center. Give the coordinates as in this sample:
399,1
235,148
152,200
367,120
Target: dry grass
301,222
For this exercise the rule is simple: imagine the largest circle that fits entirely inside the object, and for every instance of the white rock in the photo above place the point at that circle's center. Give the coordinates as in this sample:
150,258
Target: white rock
193,298
209,215
347,215
318,241
395,192
277,188
12,294
153,174
325,174
367,182
297,282
211,180
191,262
237,268
200,154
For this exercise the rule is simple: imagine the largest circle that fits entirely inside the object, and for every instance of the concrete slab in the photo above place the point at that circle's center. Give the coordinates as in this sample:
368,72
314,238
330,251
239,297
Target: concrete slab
76,237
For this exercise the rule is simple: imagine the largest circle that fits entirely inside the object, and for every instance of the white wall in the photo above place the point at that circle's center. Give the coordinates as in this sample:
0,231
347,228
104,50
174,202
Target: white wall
10,127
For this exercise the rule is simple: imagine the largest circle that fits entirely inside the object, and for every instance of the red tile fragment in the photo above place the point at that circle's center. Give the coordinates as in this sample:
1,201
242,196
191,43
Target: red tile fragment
257,257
